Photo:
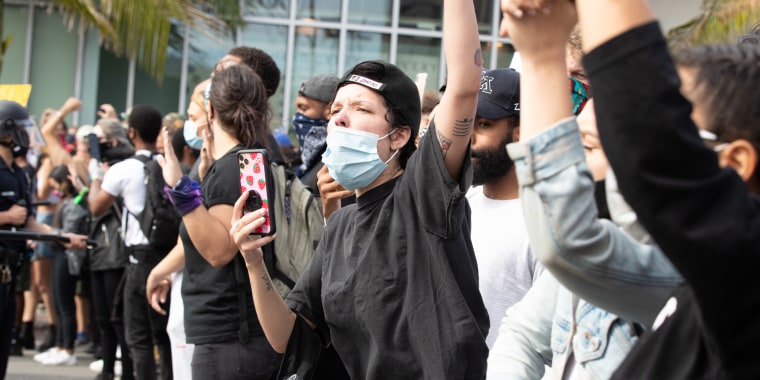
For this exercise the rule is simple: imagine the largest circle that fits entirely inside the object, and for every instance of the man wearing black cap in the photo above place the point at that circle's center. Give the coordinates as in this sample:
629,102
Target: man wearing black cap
310,124
499,236
15,212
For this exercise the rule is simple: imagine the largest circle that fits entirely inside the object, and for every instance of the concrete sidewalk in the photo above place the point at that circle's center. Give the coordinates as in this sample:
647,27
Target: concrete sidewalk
24,368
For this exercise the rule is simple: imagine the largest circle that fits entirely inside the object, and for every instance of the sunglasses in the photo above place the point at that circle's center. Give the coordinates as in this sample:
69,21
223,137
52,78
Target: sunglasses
581,94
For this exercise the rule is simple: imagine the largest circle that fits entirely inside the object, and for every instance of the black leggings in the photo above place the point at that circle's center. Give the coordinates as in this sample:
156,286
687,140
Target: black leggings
64,287
104,287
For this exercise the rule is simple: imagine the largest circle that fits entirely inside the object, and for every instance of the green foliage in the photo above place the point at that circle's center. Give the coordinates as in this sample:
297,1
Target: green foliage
140,29
721,21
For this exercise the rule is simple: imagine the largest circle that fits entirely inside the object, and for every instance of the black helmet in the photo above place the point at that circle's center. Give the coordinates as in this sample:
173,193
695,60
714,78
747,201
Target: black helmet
12,118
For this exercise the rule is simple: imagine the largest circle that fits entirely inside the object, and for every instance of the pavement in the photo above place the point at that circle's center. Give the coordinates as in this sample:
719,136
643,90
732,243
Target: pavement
25,368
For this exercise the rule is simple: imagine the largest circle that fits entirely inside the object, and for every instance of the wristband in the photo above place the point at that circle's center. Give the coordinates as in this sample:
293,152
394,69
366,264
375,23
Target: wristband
185,196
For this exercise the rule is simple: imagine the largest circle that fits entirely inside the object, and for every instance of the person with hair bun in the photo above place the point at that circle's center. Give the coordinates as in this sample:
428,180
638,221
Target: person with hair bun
219,315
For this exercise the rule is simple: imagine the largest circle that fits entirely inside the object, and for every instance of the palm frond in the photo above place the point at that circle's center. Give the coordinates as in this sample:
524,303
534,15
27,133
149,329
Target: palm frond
722,21
140,29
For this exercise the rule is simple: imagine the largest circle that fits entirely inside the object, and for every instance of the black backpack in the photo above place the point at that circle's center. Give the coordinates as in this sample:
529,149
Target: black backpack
110,252
159,220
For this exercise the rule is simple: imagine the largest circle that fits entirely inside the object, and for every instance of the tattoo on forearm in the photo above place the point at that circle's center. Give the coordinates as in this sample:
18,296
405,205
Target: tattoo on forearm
478,58
267,280
445,144
463,128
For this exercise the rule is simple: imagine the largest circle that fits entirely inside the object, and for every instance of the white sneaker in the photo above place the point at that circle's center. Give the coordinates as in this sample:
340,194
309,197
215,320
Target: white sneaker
61,358
97,366
42,356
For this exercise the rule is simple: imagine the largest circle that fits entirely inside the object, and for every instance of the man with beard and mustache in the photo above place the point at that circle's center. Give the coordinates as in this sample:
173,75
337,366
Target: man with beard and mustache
506,267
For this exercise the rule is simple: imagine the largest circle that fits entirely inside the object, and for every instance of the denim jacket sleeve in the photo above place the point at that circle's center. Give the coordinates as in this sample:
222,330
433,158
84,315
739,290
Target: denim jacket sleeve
523,346
592,257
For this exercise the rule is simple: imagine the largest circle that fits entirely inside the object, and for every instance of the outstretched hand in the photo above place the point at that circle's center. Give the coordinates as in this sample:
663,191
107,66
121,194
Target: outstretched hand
168,162
242,229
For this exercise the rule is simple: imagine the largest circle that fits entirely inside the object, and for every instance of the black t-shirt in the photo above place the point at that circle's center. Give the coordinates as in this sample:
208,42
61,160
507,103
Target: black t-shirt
393,283
13,190
211,294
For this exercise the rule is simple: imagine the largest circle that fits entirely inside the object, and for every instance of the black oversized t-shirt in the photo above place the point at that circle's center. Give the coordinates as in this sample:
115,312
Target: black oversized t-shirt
393,283
211,294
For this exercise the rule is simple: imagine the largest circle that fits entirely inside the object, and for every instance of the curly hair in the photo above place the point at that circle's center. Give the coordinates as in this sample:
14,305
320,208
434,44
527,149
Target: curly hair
261,63
238,99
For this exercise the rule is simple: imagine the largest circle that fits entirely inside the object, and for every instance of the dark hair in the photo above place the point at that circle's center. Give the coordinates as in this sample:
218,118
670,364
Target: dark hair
146,120
395,115
261,63
179,144
60,174
238,99
726,88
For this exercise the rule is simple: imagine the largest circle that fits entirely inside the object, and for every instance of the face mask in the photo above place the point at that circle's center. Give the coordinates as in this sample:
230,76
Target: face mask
190,132
57,194
19,151
302,125
351,157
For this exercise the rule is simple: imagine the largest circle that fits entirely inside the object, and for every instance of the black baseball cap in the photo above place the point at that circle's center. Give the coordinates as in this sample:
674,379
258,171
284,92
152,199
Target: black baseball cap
398,89
499,95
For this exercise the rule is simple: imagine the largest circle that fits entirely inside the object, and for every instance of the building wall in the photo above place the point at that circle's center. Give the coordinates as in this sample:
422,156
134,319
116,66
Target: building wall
304,37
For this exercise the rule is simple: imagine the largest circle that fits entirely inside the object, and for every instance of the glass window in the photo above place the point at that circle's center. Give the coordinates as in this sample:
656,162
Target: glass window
272,39
204,51
504,54
163,95
370,12
364,46
421,55
52,44
421,14
484,14
266,8
316,52
319,10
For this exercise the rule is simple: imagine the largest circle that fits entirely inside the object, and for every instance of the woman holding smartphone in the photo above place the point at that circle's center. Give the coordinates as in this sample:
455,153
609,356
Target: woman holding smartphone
219,315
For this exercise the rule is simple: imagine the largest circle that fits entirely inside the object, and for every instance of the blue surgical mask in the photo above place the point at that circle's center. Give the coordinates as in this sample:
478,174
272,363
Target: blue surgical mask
351,157
302,125
190,132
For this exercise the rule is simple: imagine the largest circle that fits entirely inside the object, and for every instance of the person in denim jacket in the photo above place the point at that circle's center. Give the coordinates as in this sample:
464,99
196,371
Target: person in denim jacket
551,325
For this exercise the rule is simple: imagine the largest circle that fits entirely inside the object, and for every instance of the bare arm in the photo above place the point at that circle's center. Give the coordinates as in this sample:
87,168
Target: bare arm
208,228
601,20
159,280
53,148
275,316
456,112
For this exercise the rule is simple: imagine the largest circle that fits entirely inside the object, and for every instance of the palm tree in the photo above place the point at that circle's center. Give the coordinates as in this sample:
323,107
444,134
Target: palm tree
140,29
722,21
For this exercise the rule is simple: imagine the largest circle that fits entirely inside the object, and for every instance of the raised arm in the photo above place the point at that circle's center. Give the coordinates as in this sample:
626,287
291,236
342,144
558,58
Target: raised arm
456,112
58,155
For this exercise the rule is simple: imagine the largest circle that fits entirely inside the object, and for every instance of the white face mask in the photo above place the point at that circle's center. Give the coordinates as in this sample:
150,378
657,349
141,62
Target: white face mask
351,157
190,133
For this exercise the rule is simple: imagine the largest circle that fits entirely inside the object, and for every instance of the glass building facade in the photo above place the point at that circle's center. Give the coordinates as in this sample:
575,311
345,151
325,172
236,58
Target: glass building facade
305,38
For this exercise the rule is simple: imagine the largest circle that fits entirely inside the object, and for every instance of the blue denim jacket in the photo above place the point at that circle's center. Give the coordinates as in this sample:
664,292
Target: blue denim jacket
547,325
594,258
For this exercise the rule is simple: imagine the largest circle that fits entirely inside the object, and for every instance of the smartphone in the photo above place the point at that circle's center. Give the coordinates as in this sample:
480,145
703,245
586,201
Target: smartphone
256,179
94,146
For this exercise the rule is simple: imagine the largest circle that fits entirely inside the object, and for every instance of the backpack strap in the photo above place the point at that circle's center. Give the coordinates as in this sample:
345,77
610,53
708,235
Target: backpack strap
144,159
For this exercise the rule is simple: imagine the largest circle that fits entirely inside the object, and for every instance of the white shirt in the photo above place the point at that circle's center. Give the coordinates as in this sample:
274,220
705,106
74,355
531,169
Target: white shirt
506,267
126,179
